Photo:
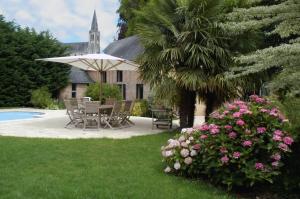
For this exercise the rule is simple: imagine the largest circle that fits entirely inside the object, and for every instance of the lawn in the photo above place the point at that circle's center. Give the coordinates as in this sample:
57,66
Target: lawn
93,168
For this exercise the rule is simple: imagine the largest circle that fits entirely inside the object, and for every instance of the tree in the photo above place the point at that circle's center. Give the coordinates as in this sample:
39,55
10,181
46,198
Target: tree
127,16
279,57
20,74
185,46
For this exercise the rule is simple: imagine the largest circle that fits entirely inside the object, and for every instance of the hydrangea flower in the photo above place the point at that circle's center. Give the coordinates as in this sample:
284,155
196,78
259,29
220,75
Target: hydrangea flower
247,143
223,149
275,164
232,135
283,147
228,127
224,159
236,114
193,153
203,136
276,156
188,160
167,169
240,122
214,129
259,166
236,154
288,140
184,152
177,165
197,146
261,130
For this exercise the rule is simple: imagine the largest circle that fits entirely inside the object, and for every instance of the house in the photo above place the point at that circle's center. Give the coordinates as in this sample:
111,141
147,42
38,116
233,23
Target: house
129,83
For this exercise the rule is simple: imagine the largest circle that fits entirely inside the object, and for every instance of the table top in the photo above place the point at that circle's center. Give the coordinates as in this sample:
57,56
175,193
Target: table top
105,106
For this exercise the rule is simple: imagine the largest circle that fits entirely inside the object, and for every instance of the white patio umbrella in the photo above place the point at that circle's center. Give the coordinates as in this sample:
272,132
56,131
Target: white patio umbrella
95,62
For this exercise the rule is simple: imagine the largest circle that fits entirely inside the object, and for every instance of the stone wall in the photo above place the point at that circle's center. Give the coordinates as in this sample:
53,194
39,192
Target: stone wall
66,93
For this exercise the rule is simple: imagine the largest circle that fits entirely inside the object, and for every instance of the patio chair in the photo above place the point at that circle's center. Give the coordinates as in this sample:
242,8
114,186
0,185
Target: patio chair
74,115
91,114
161,116
126,113
113,119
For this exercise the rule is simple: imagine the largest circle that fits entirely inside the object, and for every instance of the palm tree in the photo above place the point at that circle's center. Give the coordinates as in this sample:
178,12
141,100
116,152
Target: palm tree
185,47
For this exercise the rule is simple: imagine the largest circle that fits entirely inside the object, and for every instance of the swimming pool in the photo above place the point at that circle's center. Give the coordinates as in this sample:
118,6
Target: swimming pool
18,115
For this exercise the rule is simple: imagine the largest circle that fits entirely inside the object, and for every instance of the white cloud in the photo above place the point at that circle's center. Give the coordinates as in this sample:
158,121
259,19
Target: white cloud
68,20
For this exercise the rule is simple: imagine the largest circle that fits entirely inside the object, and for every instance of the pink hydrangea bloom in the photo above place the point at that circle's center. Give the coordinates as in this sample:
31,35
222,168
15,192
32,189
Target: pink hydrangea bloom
276,156
203,136
277,138
263,110
261,130
288,140
275,164
260,100
228,127
236,154
225,112
278,132
231,106
283,147
232,135
236,114
184,145
240,122
223,149
224,159
197,146
204,127
253,97
214,129
247,143
259,166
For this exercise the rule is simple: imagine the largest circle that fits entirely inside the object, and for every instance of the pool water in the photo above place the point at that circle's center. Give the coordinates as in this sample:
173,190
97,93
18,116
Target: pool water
18,115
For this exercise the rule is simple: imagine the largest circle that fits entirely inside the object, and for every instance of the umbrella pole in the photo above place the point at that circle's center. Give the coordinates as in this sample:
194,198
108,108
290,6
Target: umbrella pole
100,87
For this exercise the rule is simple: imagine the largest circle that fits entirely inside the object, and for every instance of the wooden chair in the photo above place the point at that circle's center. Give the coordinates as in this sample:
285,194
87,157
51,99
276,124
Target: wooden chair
91,114
126,113
74,114
114,119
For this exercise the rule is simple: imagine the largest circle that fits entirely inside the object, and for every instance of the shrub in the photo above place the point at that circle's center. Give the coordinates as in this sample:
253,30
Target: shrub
141,108
41,98
108,91
242,144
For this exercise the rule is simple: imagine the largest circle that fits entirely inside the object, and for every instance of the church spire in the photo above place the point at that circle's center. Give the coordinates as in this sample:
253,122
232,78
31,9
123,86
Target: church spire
94,26
94,36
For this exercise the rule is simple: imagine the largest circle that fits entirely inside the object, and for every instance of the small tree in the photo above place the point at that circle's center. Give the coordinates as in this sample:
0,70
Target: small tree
108,91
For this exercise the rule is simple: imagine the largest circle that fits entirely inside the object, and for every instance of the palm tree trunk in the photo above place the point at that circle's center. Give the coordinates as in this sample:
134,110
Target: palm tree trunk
186,108
210,101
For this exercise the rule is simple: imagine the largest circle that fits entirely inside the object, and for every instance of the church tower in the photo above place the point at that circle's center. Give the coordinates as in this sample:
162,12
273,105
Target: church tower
94,37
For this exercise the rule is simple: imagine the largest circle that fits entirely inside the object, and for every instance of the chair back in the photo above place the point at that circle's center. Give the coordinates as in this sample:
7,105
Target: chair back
92,107
70,108
110,101
127,106
117,107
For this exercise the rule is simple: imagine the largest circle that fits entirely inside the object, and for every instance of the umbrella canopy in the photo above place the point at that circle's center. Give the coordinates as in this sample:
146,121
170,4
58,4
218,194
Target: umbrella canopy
95,62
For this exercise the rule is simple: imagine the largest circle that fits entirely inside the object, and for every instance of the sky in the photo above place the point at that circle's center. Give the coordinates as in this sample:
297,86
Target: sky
67,20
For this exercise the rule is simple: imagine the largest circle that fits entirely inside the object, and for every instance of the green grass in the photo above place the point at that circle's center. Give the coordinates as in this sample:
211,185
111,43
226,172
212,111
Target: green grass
90,169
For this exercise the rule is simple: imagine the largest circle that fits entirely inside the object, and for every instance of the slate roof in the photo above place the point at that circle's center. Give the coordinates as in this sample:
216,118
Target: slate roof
78,76
129,48
77,48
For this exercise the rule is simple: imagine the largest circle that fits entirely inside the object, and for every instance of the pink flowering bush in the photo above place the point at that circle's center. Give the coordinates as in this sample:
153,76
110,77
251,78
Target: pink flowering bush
242,144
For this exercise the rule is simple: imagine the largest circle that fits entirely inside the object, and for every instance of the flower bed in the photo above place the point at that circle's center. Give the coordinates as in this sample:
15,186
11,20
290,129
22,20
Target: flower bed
242,144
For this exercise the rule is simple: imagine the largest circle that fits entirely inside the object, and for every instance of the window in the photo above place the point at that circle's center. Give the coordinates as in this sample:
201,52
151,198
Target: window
139,91
122,88
92,37
74,90
119,76
104,76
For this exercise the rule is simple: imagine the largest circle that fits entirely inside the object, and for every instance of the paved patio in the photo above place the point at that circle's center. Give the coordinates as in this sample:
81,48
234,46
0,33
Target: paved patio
51,125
